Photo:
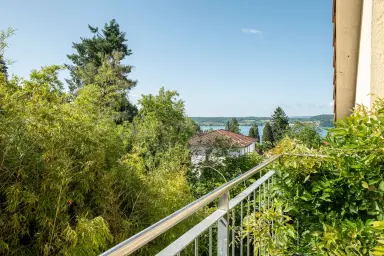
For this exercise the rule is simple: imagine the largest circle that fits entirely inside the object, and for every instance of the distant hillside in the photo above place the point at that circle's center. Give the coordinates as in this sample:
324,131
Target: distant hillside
324,120
248,120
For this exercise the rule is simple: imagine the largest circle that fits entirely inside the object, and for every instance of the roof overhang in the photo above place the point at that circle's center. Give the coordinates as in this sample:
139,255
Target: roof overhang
346,37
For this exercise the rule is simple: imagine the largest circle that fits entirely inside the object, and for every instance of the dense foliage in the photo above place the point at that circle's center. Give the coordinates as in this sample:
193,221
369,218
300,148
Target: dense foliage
3,45
268,138
75,180
333,200
306,134
3,67
254,132
232,126
263,235
212,173
91,53
98,60
279,123
82,170
257,134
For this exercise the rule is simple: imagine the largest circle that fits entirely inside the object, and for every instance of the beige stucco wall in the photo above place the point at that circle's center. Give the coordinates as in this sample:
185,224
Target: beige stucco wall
348,19
359,66
363,84
377,51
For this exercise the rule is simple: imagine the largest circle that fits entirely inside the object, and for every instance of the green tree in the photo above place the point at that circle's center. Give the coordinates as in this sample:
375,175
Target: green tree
210,174
3,67
279,123
127,110
4,35
268,139
98,60
73,182
68,166
254,132
92,52
257,134
234,125
251,132
195,127
161,124
337,199
227,126
113,89
306,134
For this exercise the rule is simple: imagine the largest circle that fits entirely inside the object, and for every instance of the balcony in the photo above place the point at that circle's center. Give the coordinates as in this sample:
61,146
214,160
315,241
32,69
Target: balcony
222,231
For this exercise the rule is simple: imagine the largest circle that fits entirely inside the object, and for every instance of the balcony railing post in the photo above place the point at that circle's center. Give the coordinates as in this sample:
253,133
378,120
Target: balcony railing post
222,226
132,244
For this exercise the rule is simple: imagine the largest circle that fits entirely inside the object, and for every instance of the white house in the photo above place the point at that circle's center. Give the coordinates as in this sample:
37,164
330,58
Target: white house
203,144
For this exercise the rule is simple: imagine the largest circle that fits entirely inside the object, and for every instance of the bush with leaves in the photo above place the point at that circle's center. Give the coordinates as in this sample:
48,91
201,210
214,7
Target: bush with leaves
306,134
73,181
335,198
221,165
378,226
273,239
55,161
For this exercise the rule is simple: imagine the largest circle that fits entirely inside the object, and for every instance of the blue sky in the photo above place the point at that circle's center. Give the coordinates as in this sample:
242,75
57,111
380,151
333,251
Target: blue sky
225,58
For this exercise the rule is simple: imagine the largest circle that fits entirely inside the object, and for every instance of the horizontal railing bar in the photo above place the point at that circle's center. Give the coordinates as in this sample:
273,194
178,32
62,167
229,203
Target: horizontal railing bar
306,155
246,192
188,237
140,239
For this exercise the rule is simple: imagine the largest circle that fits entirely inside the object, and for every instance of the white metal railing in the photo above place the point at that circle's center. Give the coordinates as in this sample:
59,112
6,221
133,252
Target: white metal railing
224,217
221,217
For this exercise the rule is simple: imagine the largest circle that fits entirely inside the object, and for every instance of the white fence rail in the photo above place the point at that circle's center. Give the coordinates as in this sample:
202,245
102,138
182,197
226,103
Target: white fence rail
252,199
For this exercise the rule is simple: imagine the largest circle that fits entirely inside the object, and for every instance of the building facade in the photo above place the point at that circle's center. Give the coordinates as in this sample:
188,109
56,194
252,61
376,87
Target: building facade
209,145
358,61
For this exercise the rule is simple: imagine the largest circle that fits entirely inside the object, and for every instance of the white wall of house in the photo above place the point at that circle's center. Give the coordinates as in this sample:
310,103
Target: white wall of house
370,75
363,83
199,152
377,47
250,148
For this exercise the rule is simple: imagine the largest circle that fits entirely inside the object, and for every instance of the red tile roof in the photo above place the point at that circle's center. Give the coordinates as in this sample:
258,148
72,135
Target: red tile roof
208,138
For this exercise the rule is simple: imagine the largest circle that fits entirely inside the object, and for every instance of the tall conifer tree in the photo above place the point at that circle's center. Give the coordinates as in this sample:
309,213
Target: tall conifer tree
3,67
279,123
227,126
257,135
252,132
268,138
234,126
98,60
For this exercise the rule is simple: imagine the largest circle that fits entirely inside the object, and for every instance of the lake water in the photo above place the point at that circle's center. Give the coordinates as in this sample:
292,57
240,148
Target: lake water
245,129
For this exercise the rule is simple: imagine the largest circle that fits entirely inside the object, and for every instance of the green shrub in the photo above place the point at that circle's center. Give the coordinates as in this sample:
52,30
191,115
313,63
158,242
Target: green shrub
74,182
335,199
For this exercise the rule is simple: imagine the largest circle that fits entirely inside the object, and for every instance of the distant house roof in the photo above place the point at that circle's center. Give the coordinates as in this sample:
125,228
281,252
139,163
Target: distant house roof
208,138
